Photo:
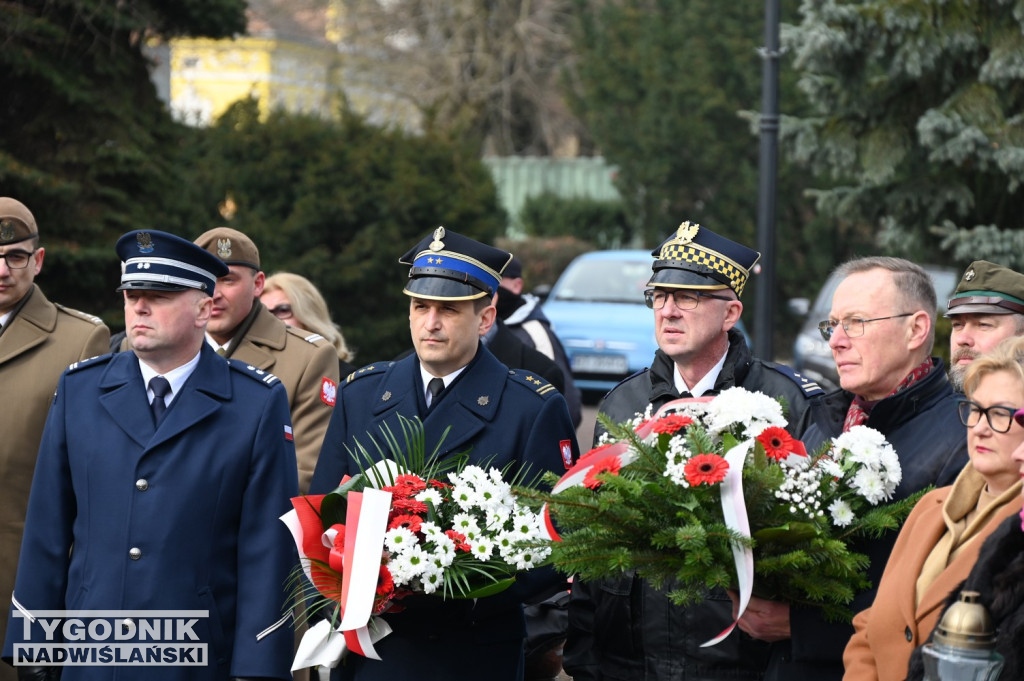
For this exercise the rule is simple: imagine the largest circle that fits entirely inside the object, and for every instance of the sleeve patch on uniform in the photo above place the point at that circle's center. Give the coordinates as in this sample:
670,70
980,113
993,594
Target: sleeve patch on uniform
566,447
328,392
288,434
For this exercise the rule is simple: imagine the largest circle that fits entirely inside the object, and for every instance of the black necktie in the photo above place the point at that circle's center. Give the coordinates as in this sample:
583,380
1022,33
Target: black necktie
435,387
160,387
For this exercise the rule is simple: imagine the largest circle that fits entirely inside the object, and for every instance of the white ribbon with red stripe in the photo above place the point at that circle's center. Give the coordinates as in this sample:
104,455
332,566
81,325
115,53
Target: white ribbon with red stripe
733,506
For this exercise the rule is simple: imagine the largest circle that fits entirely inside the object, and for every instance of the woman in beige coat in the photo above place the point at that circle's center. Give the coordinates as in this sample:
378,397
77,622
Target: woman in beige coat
939,543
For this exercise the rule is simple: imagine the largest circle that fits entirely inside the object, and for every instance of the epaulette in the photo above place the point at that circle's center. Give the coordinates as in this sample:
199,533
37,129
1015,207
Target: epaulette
265,377
368,370
90,362
809,387
532,381
81,315
311,338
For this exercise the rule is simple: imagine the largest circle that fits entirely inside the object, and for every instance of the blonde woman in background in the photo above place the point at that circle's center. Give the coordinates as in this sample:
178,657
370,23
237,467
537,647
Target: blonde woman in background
297,302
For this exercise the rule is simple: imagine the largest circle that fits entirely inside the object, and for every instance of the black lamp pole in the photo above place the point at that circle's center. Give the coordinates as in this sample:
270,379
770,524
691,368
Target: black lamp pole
768,167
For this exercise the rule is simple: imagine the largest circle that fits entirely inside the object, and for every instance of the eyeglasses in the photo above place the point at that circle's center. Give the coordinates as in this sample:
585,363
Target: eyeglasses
282,311
853,326
999,418
683,299
17,260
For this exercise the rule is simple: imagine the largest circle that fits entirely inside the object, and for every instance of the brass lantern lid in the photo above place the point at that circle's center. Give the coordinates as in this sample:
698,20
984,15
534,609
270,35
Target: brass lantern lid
967,625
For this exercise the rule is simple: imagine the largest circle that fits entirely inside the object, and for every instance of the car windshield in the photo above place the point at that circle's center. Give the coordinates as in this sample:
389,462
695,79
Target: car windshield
605,281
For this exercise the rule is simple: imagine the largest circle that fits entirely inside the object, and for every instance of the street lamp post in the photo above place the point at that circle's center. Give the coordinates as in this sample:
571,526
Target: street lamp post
767,170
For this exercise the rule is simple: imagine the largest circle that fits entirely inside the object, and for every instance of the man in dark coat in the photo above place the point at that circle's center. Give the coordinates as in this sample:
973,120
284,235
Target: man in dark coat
499,416
881,331
162,498
625,628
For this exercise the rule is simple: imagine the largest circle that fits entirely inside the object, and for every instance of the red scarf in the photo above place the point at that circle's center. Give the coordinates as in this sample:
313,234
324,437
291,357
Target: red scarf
860,409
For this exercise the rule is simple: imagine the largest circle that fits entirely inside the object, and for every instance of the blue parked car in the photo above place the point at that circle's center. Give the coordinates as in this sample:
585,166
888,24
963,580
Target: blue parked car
597,310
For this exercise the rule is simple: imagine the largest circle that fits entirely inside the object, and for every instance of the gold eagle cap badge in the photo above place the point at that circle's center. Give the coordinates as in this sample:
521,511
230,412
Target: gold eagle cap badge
437,244
6,229
687,232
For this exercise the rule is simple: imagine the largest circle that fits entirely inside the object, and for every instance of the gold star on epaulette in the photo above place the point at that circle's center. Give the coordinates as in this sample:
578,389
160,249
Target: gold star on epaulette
483,400
386,396
534,380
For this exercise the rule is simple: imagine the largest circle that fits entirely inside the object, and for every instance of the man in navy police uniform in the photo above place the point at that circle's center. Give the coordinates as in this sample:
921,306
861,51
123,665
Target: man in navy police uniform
500,416
142,508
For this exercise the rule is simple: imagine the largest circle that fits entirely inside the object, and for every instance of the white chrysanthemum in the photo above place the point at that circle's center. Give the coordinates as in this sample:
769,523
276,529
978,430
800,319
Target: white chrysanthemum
506,543
495,520
842,514
444,551
495,496
430,495
890,462
399,539
830,467
408,565
482,548
431,532
530,557
464,523
868,483
742,411
431,580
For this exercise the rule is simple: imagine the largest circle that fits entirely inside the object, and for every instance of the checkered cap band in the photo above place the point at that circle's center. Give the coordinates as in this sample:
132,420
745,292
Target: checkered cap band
730,273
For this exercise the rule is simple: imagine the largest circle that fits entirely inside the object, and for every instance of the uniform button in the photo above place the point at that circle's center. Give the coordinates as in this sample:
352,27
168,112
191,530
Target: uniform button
909,634
135,553
142,484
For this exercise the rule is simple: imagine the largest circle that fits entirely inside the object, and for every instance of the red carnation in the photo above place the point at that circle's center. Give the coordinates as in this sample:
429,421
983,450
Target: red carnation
705,469
671,423
778,444
611,464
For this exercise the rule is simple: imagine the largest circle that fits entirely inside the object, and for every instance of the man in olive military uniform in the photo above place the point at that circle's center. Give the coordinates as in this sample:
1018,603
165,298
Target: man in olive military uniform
501,417
987,307
626,628
38,340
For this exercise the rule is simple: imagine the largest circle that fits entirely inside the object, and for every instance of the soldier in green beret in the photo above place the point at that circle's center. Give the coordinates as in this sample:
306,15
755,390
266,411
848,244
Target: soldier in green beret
986,308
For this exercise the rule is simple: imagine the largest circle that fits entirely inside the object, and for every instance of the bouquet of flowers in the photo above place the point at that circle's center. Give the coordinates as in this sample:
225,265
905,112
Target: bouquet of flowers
715,493
406,524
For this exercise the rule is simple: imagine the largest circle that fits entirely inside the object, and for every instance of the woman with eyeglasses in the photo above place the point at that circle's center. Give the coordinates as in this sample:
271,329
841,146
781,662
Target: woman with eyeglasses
297,302
940,540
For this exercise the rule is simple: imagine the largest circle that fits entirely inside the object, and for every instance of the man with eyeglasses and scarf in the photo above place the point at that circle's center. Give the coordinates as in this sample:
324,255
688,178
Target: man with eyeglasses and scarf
626,628
881,329
38,340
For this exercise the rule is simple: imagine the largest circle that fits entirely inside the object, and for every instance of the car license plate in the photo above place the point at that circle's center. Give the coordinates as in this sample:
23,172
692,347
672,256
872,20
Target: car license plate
600,364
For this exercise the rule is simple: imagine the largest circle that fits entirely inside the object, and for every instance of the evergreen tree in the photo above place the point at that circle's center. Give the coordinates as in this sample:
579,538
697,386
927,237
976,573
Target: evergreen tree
339,203
917,121
86,142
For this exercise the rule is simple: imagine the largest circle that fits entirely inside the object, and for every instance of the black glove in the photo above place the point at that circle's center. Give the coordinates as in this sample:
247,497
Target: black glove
38,673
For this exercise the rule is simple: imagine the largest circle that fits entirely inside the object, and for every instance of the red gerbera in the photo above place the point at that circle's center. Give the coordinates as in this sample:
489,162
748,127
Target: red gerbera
610,464
705,469
406,486
410,522
778,444
385,583
399,505
459,539
671,423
